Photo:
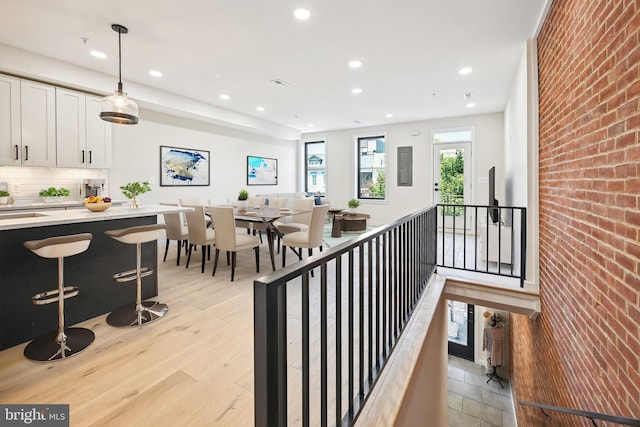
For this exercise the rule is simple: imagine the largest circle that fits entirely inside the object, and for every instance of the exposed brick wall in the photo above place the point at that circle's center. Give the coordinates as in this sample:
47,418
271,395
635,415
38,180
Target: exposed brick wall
583,351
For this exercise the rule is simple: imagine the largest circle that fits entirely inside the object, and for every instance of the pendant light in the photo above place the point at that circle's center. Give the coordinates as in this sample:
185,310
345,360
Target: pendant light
118,108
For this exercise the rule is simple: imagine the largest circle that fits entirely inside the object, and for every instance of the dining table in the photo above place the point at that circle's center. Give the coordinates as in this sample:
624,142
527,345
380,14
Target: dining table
266,216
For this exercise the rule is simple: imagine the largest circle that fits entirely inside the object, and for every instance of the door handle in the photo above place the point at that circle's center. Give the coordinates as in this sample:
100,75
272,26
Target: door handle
17,153
26,153
82,156
90,161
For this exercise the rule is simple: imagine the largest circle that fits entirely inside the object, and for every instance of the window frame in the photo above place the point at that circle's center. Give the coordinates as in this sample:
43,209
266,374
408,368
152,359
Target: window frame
357,141
306,165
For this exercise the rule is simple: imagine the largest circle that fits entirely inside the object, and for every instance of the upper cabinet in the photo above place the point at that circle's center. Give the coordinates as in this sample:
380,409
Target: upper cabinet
41,125
27,123
38,119
83,139
10,139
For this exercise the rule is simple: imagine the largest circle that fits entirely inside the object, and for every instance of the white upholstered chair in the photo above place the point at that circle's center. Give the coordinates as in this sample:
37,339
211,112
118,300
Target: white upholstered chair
310,238
199,233
176,230
229,240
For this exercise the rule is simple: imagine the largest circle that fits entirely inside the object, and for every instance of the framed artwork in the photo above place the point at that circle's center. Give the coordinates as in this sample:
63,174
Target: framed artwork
183,167
262,171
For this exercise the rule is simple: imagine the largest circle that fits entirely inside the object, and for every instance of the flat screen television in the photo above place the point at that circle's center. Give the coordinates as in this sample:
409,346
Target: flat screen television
493,212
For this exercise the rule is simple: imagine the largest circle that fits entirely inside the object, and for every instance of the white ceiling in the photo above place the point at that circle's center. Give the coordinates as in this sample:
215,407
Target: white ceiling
411,52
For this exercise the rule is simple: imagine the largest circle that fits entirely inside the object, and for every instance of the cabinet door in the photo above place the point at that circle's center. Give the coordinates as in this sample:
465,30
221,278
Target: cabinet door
71,129
10,139
38,113
98,136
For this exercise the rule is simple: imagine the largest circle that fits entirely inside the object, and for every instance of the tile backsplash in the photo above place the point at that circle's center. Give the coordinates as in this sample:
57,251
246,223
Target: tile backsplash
28,181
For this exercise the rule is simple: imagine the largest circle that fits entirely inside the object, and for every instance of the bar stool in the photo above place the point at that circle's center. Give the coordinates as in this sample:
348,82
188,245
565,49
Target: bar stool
65,342
141,312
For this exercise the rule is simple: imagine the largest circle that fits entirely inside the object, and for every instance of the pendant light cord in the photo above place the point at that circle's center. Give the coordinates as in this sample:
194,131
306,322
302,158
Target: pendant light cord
120,59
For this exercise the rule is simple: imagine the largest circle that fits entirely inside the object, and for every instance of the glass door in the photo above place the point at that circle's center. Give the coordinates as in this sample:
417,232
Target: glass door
452,183
460,328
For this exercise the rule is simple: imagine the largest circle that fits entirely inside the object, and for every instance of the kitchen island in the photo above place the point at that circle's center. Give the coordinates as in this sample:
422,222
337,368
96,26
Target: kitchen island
24,274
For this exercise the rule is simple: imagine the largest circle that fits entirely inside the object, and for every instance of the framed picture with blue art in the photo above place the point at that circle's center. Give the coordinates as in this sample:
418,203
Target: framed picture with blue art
262,171
183,167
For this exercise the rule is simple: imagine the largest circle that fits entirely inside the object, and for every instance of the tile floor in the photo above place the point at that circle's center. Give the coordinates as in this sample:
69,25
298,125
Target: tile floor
473,402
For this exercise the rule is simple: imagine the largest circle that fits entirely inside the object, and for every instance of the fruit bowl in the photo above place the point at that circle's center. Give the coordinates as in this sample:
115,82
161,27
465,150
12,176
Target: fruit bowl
97,207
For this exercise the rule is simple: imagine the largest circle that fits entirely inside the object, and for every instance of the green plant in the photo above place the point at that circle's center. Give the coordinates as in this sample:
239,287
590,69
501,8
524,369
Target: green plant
377,189
133,189
243,194
54,192
4,193
353,203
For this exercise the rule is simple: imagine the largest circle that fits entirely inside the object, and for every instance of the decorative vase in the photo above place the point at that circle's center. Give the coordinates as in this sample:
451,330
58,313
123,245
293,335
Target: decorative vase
4,200
242,204
134,203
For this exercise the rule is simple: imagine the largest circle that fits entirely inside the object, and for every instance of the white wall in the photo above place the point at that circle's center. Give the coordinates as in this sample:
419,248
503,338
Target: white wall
521,151
136,157
340,148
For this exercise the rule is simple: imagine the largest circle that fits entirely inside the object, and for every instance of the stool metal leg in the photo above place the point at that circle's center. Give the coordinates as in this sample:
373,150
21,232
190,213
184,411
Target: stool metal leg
141,312
66,342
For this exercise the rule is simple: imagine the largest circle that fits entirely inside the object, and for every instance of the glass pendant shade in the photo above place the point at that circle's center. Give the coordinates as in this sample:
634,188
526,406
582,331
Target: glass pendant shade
119,109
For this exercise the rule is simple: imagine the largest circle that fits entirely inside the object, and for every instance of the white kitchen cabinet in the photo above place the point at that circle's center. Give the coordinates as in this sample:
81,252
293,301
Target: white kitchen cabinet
98,135
83,139
10,138
38,123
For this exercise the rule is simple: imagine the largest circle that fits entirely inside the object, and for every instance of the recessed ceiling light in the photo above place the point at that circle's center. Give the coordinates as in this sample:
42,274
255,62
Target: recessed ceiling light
356,90
388,115
155,73
471,105
355,64
302,14
224,96
310,125
260,108
98,54
465,70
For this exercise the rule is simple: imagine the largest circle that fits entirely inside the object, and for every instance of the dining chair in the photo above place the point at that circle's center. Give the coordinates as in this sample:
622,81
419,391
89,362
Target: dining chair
199,233
176,230
229,240
277,202
310,238
195,201
299,222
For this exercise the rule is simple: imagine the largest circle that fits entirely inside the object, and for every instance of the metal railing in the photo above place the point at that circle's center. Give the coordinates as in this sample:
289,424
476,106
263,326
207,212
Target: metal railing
470,239
586,414
320,343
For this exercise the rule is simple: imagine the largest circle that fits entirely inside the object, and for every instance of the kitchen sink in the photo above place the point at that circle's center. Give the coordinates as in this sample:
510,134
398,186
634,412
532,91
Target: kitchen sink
21,215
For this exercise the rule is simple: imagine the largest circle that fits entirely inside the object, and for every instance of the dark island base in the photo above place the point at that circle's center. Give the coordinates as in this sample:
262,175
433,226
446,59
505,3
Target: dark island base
24,274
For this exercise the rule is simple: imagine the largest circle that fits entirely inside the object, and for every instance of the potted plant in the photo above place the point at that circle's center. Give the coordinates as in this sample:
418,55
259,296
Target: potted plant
243,197
133,189
353,204
4,197
53,194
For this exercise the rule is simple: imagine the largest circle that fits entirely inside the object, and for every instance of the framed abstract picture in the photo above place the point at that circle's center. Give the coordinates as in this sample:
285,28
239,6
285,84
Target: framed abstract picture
262,171
184,167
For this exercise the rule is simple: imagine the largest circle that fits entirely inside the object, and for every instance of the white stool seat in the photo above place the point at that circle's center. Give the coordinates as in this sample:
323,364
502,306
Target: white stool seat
62,246
140,234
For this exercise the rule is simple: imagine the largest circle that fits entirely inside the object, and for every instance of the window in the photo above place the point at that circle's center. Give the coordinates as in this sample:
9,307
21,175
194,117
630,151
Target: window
371,168
314,168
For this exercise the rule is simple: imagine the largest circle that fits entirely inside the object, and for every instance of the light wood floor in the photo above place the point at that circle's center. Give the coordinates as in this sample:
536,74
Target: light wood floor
193,367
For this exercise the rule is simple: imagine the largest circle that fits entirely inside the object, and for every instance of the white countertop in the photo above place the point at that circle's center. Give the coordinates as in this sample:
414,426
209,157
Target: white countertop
54,205
43,217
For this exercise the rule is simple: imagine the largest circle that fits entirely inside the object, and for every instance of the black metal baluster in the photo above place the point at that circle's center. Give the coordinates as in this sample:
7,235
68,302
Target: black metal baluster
323,345
378,311
361,338
305,349
385,292
339,341
370,310
351,337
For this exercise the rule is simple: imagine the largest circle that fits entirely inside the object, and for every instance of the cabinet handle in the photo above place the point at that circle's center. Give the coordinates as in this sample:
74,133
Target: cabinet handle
26,153
82,156
90,157
17,152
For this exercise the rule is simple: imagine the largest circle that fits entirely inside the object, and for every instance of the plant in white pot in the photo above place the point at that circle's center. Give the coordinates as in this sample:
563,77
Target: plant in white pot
353,204
4,197
243,197
133,189
52,194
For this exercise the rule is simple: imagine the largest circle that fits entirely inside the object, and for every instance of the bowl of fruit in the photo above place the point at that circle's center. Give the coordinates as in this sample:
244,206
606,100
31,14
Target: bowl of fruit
97,203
